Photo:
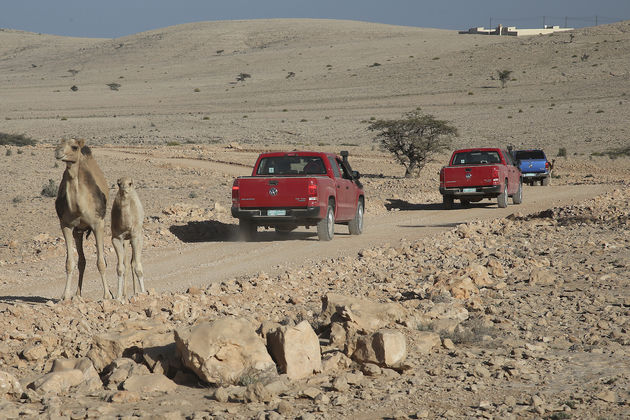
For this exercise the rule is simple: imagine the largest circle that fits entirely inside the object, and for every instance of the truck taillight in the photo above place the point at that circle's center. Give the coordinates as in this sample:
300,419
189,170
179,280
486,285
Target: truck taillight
312,191
235,191
547,166
442,177
495,175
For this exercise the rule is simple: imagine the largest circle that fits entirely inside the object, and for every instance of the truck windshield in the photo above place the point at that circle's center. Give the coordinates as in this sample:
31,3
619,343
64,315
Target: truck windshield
529,154
291,165
476,157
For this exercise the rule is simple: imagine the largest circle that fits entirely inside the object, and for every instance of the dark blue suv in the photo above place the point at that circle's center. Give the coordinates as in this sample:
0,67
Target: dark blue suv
534,166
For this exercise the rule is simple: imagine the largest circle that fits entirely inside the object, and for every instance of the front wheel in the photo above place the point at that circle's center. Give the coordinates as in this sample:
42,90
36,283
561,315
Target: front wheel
502,199
517,198
355,226
326,226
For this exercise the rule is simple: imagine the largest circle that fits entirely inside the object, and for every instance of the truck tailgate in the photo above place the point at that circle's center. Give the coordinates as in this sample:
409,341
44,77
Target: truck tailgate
269,192
468,176
533,165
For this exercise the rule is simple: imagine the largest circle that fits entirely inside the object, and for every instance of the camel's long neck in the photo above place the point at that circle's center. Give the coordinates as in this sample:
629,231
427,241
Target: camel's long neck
72,186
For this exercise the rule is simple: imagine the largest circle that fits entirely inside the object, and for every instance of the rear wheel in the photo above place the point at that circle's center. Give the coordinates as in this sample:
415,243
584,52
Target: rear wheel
447,201
545,181
246,230
326,226
517,198
355,226
502,199
465,203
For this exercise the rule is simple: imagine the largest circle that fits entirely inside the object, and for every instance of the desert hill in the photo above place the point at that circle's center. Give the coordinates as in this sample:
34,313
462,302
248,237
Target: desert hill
316,81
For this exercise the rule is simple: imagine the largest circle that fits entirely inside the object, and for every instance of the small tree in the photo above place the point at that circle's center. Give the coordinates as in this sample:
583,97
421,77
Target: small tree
504,76
413,139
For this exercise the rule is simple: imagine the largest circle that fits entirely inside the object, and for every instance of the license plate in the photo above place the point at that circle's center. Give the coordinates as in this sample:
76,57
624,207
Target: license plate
276,212
469,189
527,174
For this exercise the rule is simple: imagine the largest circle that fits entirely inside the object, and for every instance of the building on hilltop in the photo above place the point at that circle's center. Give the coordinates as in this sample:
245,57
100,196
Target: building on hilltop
513,31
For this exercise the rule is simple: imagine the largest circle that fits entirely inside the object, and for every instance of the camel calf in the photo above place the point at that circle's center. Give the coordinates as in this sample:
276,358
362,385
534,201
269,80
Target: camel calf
127,218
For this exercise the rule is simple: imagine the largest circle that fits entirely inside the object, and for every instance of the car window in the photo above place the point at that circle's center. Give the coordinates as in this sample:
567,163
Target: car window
291,165
529,154
334,166
476,157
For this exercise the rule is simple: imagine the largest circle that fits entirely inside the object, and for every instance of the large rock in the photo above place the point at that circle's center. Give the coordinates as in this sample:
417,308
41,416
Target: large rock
91,379
296,350
223,350
367,316
58,382
385,348
425,341
110,346
9,386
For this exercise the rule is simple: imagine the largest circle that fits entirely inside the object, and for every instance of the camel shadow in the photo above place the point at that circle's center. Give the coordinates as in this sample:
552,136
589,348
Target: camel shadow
26,299
205,231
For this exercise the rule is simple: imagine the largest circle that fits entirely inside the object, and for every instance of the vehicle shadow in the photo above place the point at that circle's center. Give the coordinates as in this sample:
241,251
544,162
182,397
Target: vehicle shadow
403,205
215,231
205,231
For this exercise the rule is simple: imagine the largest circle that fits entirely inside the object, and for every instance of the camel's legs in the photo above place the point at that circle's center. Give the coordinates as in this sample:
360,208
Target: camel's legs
78,242
100,256
67,235
136,261
119,247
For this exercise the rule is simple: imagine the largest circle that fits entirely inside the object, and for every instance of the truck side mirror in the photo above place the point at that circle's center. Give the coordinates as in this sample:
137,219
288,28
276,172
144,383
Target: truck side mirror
356,175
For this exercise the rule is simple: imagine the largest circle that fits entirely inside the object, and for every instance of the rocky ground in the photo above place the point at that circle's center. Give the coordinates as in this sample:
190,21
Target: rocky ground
524,317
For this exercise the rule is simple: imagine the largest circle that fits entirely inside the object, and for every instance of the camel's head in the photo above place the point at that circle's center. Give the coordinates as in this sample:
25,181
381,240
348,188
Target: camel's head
125,185
70,150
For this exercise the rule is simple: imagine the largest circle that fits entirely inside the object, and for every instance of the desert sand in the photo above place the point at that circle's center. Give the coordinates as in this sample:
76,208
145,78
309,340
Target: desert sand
185,109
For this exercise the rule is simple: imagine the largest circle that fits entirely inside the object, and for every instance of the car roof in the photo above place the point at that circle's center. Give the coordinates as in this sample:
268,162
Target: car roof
296,153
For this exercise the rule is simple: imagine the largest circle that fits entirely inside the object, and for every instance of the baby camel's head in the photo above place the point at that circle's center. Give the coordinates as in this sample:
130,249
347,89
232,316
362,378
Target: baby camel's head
125,185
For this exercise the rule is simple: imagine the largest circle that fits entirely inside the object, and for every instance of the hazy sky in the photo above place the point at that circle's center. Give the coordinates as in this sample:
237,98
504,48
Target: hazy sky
115,18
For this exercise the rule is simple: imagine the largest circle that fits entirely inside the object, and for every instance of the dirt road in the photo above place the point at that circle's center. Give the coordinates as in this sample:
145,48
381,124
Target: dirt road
200,263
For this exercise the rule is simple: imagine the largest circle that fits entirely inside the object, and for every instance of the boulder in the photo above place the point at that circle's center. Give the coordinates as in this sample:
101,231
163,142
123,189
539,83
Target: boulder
295,350
223,350
110,346
9,386
366,315
385,348
91,379
424,341
57,382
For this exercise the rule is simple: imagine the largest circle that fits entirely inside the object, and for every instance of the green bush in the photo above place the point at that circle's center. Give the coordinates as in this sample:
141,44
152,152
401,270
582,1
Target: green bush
16,140
562,152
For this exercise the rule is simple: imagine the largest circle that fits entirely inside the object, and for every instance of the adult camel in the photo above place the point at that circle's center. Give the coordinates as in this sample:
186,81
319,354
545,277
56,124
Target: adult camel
81,206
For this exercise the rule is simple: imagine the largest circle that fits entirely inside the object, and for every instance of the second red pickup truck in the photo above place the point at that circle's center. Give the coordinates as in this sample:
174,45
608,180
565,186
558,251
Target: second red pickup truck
475,174
292,189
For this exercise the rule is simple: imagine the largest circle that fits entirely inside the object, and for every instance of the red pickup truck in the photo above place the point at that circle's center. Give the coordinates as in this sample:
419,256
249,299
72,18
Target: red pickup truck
287,190
475,174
